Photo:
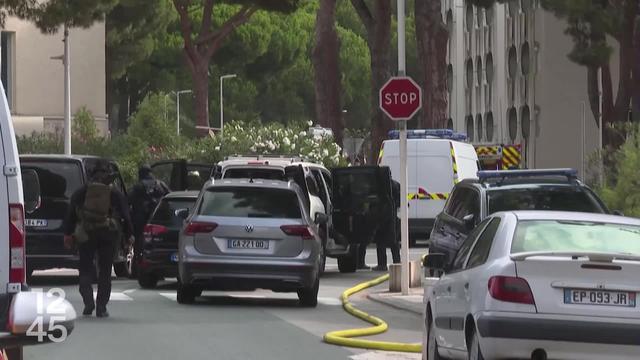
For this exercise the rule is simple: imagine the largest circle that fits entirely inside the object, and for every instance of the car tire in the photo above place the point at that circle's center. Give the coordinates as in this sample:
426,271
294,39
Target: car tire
186,294
348,263
475,353
309,296
147,280
432,344
323,249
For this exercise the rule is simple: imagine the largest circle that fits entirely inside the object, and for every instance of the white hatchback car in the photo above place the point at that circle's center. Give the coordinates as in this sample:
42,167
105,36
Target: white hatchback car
539,285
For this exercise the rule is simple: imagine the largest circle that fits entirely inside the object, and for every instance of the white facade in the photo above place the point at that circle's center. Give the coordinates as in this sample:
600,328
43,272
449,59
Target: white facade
35,82
512,83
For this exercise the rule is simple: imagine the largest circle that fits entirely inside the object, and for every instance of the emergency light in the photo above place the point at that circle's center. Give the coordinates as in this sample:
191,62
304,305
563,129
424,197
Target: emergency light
447,134
484,175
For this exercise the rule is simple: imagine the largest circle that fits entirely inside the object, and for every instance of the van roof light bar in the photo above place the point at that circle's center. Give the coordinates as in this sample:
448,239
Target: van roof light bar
446,134
570,174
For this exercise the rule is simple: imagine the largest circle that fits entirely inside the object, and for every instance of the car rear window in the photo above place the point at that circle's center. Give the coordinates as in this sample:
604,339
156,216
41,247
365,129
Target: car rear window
556,235
59,179
252,173
165,213
251,202
543,198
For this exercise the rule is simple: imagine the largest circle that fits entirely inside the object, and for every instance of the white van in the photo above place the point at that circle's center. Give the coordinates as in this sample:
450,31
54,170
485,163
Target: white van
18,306
436,161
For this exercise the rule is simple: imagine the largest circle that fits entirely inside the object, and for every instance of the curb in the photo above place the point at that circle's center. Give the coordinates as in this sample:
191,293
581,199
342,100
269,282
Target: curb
392,303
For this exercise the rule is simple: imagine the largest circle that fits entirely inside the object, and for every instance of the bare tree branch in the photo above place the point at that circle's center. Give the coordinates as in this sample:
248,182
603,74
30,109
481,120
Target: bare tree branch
207,18
365,14
214,40
182,7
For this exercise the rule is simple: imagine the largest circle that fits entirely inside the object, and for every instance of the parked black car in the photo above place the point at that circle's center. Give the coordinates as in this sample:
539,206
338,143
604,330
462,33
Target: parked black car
160,251
472,200
60,176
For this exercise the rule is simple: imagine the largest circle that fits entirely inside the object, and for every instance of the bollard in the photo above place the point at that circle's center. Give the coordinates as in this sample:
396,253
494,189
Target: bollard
415,271
395,276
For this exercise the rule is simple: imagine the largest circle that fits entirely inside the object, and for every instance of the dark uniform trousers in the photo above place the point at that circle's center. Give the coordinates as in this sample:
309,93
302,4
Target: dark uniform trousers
102,244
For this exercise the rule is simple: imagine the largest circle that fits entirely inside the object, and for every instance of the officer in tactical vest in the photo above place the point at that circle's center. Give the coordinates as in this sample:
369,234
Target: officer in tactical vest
98,213
144,197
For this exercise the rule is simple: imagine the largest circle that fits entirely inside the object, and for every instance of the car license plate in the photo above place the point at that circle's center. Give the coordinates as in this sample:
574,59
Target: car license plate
35,222
248,244
174,257
599,297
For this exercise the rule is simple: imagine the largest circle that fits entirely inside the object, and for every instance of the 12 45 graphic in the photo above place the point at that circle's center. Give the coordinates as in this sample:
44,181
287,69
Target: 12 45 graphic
48,323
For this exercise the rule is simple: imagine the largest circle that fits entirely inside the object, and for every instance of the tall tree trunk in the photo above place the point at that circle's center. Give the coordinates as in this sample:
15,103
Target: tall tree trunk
431,37
327,71
380,49
200,78
636,68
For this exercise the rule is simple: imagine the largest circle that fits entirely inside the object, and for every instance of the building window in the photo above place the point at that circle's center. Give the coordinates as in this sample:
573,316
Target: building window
479,70
525,59
512,62
479,126
6,68
450,123
469,18
525,117
512,115
469,126
489,126
469,73
450,78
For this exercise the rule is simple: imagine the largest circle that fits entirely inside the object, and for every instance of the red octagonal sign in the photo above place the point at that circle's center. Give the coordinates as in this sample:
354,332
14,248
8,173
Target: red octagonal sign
400,98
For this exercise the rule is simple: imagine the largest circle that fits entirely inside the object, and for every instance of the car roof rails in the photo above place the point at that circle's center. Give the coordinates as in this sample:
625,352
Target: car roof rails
501,175
293,158
446,134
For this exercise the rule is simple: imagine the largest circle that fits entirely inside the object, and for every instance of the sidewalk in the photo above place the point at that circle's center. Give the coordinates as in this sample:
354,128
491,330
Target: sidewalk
412,302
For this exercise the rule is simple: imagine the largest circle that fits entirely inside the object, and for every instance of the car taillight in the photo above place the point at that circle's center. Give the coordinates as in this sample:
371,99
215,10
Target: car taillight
151,230
17,271
298,230
199,228
511,289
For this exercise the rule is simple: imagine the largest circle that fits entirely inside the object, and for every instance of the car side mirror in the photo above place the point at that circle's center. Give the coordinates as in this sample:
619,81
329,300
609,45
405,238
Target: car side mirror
54,316
321,219
31,190
182,213
469,221
435,261
617,212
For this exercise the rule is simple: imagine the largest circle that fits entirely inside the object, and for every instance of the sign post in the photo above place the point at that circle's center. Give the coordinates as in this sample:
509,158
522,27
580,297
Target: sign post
401,99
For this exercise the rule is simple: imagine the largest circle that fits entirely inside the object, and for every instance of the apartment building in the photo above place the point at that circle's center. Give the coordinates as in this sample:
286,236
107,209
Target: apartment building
34,82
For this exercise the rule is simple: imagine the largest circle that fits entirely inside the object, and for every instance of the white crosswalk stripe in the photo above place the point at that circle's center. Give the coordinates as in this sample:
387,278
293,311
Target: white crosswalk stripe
386,355
116,296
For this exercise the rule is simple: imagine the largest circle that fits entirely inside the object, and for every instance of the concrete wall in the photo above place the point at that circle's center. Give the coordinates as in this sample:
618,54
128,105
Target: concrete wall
38,87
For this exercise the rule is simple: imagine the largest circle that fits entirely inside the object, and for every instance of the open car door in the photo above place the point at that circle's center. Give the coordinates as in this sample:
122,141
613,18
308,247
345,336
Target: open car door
181,175
296,173
362,198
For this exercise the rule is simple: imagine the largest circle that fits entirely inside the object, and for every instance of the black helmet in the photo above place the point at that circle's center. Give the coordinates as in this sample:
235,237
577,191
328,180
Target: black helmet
101,170
144,171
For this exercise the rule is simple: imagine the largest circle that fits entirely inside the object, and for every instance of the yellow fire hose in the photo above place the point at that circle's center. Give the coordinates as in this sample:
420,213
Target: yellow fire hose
345,337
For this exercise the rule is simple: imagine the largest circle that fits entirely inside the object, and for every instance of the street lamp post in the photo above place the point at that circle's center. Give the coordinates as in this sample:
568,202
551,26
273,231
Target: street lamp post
67,90
178,108
228,76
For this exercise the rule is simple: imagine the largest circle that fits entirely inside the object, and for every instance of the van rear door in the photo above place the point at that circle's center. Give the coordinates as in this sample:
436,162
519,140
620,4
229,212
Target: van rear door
361,199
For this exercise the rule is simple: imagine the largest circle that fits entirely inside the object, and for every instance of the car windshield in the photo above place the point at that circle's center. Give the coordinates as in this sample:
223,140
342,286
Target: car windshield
165,213
59,179
251,202
542,198
556,235
252,173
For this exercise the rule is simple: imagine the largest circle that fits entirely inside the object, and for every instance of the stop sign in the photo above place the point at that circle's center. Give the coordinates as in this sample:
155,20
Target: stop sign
400,98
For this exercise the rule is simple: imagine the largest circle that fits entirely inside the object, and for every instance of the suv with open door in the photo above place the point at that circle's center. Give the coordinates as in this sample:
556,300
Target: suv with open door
61,176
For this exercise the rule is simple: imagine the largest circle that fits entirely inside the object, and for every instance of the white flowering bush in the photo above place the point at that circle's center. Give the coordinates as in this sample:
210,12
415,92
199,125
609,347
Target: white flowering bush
240,138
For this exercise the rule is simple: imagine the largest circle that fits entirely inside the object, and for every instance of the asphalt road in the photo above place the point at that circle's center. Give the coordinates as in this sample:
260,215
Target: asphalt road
150,324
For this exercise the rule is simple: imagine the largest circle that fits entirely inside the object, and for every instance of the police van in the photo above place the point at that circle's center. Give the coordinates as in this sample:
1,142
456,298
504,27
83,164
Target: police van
18,307
437,159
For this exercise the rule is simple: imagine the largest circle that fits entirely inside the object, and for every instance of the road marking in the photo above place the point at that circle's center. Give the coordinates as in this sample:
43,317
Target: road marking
117,296
171,296
386,355
129,291
329,301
